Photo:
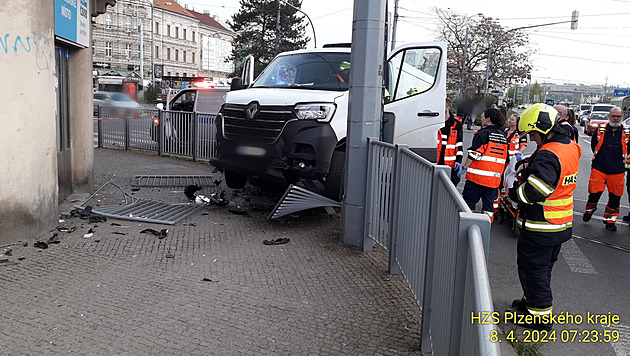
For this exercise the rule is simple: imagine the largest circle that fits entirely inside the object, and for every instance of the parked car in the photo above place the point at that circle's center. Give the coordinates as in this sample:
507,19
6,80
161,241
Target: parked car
594,120
120,103
583,111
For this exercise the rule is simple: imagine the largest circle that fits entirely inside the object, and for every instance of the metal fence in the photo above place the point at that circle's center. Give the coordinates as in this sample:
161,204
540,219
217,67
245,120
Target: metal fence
436,242
165,132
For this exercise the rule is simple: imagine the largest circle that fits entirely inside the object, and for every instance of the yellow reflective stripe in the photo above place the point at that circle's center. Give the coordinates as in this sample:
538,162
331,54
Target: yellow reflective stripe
540,185
540,311
558,202
558,214
542,226
521,194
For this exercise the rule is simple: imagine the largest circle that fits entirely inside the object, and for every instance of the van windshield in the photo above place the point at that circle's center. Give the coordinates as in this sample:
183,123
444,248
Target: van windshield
320,71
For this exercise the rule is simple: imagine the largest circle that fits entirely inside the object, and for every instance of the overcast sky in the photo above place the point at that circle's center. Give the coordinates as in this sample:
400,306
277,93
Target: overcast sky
598,52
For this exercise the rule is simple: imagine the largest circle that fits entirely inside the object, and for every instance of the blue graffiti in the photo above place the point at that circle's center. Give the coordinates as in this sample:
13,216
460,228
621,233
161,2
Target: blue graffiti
41,59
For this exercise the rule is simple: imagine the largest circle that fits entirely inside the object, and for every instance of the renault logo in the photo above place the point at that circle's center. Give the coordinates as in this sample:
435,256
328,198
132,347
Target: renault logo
251,110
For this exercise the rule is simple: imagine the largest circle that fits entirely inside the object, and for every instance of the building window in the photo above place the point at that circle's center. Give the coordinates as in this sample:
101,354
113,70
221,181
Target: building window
176,32
108,20
127,50
157,52
168,54
184,33
128,24
184,75
168,30
193,57
193,35
176,55
108,49
157,28
184,56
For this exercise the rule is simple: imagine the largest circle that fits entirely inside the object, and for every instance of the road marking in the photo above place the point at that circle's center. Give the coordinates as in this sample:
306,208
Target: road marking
575,258
603,243
621,347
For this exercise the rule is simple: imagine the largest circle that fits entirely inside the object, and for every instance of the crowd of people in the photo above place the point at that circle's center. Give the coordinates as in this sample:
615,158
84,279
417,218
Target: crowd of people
540,186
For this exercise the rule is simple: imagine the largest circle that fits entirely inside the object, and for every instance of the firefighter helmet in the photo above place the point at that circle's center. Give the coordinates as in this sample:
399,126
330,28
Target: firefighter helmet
538,117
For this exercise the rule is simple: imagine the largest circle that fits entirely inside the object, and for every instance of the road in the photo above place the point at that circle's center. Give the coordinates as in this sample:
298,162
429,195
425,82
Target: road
590,275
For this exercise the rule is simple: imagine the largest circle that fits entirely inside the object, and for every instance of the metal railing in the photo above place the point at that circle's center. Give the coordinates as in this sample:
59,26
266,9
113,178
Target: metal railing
436,242
165,132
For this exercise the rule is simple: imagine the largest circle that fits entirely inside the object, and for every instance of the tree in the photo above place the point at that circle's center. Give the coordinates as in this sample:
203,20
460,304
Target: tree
509,61
255,27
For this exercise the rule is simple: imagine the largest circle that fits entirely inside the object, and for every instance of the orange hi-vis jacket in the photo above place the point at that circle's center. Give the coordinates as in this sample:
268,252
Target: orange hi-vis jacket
450,142
557,209
489,160
515,143
625,136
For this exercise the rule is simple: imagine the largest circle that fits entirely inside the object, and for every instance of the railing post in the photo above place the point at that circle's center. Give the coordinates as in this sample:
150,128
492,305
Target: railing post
127,131
160,132
368,242
430,260
195,138
99,130
394,205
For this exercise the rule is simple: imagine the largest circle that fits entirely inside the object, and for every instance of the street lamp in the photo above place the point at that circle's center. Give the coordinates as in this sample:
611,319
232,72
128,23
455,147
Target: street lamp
573,21
305,14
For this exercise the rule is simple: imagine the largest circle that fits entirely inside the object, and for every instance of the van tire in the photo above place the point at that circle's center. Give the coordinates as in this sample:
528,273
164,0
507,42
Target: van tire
234,180
333,187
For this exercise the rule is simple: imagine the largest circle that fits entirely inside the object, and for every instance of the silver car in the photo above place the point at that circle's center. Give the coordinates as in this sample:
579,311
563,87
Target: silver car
114,104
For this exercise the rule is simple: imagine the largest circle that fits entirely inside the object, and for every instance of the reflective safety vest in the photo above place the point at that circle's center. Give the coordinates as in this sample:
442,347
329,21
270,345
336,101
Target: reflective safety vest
449,144
625,136
489,161
515,143
557,209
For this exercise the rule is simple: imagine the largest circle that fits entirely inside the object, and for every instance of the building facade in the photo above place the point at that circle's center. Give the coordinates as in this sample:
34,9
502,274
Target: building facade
160,42
46,141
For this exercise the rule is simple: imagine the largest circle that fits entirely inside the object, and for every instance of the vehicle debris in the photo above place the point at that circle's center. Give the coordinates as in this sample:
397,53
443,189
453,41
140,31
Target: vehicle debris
160,234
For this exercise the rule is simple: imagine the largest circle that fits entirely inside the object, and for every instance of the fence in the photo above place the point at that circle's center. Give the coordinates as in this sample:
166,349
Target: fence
435,242
165,132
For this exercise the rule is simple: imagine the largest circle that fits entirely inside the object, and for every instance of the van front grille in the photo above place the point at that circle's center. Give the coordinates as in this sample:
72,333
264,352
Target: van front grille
265,128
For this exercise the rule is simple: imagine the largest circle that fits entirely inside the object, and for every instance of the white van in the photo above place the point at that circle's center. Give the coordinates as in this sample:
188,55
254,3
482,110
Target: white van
290,124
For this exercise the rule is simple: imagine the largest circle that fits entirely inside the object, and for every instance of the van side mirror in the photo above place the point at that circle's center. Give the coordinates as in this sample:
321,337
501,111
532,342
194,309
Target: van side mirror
237,84
159,106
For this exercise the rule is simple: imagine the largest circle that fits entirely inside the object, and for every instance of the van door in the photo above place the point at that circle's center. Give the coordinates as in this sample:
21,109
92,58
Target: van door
416,85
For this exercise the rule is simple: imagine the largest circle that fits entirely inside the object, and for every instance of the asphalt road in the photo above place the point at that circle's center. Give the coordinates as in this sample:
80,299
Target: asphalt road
590,276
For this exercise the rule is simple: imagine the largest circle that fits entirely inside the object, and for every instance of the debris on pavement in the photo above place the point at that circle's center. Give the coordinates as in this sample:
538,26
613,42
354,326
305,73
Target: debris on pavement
207,280
66,229
160,234
40,244
89,234
54,239
279,241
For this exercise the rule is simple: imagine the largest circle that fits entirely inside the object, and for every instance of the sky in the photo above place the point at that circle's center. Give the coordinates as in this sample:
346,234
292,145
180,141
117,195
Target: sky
597,53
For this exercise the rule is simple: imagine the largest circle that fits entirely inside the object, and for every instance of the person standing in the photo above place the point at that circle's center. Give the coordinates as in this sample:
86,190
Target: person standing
563,120
545,216
487,158
610,149
450,149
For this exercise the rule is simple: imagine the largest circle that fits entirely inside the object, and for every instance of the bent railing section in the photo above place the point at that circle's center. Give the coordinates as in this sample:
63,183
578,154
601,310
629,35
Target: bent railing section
436,242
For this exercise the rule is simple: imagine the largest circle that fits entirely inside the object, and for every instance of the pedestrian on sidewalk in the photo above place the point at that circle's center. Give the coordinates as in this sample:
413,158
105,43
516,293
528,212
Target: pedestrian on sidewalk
487,159
545,216
450,150
563,120
610,148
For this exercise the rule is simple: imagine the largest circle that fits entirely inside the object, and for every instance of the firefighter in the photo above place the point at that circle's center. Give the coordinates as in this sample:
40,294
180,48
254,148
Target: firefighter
610,149
450,147
545,216
487,159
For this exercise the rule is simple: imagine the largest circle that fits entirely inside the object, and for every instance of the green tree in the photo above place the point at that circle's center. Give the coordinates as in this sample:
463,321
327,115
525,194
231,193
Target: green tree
509,60
255,27
536,90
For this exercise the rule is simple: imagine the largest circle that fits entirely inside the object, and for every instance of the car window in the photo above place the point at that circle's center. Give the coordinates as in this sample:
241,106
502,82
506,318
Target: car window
412,71
606,108
599,117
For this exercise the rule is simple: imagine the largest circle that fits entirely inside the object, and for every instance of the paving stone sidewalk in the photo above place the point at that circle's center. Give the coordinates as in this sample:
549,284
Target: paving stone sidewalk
122,292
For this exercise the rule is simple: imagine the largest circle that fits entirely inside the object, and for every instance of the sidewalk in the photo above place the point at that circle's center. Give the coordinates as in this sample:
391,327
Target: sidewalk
122,292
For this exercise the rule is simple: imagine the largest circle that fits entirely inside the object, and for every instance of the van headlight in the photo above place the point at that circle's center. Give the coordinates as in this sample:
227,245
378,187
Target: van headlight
321,112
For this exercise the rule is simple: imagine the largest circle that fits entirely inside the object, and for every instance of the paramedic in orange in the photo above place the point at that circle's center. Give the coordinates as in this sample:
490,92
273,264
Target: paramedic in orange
487,158
545,217
450,149
610,149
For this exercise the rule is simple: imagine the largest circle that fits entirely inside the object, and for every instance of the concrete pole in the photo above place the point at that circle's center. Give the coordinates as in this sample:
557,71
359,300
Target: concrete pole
141,55
395,25
365,111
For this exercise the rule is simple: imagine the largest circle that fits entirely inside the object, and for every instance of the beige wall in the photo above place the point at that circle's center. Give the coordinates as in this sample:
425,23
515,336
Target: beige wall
28,153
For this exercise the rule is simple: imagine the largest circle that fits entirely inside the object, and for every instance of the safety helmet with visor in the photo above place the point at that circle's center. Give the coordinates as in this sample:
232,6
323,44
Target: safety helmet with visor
538,117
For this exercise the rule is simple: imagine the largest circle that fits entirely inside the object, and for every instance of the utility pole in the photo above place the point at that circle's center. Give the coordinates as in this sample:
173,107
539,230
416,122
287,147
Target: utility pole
395,25
277,47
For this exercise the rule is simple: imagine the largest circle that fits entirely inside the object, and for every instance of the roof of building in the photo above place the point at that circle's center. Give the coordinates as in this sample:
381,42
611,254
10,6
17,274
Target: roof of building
172,6
207,20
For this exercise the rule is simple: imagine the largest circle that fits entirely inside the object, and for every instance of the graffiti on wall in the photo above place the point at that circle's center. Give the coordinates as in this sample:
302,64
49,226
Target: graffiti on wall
34,45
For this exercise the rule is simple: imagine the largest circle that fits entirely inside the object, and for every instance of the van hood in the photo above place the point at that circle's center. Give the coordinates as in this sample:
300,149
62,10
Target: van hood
282,97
